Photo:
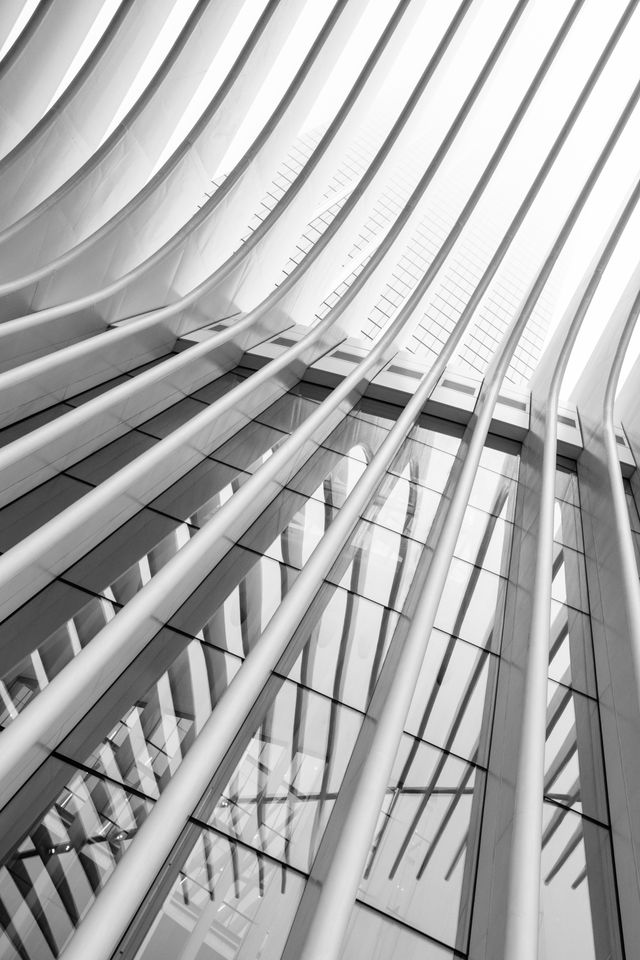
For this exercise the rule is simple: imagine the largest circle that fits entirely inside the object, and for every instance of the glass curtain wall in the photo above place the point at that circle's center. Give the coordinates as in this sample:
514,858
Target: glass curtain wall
236,877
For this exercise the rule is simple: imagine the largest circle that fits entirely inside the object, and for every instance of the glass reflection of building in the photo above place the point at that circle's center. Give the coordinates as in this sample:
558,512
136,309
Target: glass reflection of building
252,845
252,851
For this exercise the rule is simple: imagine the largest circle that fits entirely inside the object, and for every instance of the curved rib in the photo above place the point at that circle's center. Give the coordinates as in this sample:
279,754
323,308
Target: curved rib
37,63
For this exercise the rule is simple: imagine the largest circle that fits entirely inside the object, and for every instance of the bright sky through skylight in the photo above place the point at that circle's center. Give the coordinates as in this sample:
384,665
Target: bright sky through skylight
488,120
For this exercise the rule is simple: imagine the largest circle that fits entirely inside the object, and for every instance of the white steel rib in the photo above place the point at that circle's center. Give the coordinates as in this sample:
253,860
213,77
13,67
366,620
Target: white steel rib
182,277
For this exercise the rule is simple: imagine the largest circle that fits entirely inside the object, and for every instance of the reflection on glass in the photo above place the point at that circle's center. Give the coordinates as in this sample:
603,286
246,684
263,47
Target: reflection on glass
424,464
567,526
567,485
403,506
172,418
124,562
484,540
634,520
228,902
32,510
23,682
417,862
577,890
328,476
288,412
344,649
219,387
146,746
103,463
573,765
442,434
51,880
358,437
281,793
569,583
500,460
250,445
634,517
571,650
377,563
471,605
235,602
290,525
200,493
449,701
494,493
376,937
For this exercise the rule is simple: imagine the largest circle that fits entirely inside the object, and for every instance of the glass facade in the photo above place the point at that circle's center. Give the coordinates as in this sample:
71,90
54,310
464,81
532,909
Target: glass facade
252,842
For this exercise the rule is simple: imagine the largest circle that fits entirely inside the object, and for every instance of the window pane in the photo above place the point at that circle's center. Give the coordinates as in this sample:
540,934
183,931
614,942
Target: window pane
282,791
578,897
471,605
376,937
145,747
417,862
51,880
449,701
345,646
574,773
227,902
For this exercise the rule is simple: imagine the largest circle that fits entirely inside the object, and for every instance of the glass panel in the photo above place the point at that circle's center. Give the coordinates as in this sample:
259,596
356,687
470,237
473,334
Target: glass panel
571,650
22,427
358,437
228,902
578,896
417,863
51,880
249,444
424,464
22,683
403,506
437,433
311,391
344,647
471,605
376,937
200,493
217,388
102,464
500,460
635,537
172,418
484,540
567,525
288,412
146,746
37,619
97,391
375,412
569,579
494,493
289,529
31,511
377,564
567,485
280,795
150,363
123,563
634,518
232,606
447,708
574,773
328,476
